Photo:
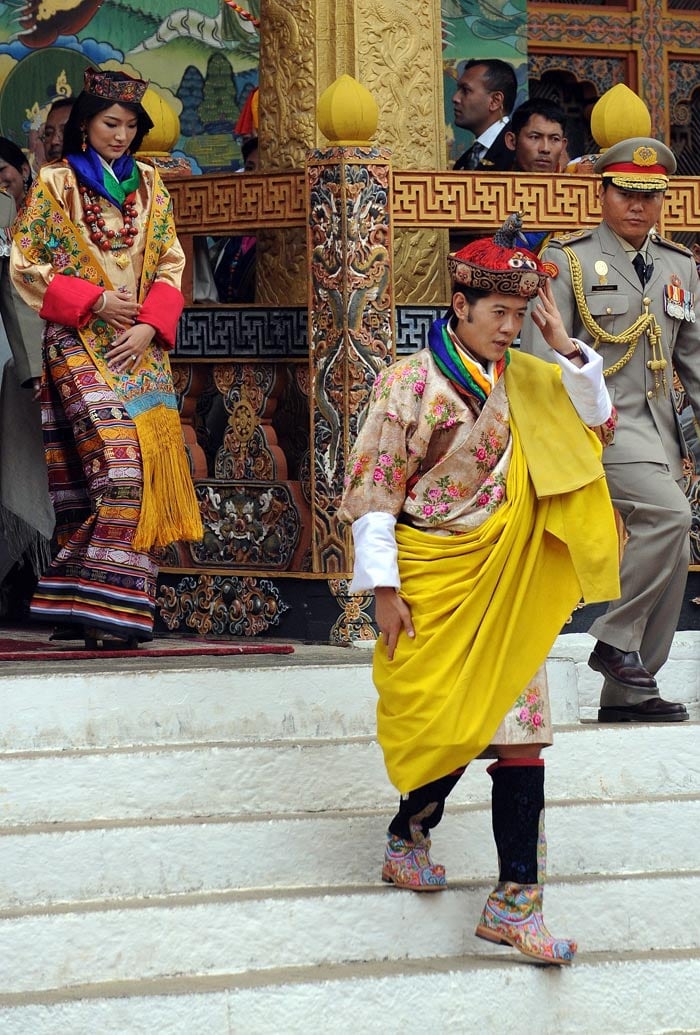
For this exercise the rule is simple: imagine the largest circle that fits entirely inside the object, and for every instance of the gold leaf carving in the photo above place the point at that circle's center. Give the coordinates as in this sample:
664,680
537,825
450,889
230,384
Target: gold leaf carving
399,54
420,267
281,268
287,83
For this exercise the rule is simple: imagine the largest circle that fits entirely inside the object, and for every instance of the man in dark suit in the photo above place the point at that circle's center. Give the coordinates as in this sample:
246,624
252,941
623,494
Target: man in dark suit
482,103
635,296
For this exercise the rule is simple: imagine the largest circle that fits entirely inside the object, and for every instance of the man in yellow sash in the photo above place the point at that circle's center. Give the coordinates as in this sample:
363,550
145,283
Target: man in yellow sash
480,517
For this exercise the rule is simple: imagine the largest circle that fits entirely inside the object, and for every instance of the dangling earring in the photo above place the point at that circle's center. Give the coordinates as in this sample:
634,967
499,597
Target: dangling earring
84,143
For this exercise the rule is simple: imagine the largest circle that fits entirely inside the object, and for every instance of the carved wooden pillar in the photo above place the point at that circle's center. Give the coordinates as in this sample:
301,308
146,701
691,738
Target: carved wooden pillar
351,311
393,49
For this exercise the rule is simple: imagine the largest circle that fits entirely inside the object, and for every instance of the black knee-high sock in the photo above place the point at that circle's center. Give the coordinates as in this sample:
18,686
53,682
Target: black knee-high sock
424,806
517,803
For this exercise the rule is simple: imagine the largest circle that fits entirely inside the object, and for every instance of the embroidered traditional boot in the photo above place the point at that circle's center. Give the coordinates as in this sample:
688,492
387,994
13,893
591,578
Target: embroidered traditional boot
513,911
407,862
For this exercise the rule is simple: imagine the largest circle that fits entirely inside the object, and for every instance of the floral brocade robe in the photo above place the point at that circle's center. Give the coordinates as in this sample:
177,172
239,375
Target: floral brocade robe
432,457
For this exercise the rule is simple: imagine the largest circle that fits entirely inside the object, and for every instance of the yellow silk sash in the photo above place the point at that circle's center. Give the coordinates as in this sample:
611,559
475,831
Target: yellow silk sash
487,606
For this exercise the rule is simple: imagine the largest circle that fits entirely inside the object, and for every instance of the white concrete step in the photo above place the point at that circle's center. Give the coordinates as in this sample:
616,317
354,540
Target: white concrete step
150,705
275,698
242,933
649,994
585,761
46,867
197,850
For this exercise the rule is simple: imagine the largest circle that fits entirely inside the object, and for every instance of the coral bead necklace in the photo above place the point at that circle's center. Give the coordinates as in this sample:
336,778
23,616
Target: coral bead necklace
109,240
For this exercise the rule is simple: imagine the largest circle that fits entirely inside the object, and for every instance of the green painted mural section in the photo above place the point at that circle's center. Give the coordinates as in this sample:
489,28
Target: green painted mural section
202,59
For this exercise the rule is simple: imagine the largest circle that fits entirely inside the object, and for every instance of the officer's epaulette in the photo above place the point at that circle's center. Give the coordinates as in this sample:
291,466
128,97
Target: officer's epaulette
4,190
675,246
572,237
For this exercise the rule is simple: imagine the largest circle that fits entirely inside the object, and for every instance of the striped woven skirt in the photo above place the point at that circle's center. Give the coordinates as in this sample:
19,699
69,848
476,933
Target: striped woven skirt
96,483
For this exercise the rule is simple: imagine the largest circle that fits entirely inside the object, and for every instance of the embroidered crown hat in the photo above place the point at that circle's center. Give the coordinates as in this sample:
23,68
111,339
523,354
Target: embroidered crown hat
499,264
114,86
638,163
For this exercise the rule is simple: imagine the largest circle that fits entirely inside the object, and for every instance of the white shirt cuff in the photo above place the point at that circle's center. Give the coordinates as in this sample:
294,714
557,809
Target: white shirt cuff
585,385
376,553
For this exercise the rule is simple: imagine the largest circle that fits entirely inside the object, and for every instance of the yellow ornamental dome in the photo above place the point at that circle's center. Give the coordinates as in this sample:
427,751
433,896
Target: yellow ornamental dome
166,125
347,113
619,114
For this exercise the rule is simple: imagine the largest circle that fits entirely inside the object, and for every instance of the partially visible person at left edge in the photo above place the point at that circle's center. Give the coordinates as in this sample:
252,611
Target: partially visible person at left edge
95,251
480,515
26,513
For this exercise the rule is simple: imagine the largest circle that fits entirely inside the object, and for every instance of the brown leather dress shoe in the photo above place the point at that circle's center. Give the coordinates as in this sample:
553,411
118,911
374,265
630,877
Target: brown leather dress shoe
622,667
654,709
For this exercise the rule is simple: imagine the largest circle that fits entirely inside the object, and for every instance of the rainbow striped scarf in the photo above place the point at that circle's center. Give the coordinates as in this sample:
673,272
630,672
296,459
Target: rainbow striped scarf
463,372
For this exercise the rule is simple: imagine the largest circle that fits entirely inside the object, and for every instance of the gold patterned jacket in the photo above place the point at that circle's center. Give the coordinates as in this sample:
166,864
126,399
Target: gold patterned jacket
155,260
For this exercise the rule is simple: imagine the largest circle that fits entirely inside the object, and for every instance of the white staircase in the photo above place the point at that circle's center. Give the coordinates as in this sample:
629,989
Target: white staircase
194,850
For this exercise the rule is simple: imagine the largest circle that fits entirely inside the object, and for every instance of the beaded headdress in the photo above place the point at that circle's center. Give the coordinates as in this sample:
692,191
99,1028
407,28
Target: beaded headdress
498,264
114,86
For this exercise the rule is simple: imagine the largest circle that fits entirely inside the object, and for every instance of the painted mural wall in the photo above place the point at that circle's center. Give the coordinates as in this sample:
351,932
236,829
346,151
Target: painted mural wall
202,59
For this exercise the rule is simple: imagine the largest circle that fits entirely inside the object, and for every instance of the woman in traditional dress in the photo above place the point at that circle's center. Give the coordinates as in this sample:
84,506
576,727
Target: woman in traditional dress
96,253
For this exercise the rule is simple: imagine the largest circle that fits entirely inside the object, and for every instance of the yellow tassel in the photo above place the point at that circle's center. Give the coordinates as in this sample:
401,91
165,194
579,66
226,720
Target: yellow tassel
169,508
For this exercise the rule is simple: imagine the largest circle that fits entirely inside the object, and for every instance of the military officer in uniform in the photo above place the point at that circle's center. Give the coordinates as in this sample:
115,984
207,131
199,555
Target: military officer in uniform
635,296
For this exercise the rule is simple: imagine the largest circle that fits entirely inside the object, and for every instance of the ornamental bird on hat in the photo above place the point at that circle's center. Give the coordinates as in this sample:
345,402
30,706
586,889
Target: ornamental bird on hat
498,264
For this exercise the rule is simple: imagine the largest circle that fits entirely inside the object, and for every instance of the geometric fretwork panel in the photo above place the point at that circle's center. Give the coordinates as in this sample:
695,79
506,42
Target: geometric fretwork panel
553,203
223,203
218,332
412,326
476,201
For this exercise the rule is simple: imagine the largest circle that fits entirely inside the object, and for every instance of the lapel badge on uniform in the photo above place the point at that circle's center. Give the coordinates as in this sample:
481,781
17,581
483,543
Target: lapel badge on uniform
679,304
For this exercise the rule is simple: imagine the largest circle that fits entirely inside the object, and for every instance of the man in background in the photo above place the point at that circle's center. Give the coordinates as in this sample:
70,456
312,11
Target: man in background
484,98
52,135
536,137
233,260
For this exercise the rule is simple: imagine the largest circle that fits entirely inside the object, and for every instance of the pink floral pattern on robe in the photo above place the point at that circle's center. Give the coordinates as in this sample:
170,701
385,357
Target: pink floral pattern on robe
430,452
427,450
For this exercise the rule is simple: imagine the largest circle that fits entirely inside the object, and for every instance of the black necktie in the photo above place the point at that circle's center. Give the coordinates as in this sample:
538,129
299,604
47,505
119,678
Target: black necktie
474,155
644,270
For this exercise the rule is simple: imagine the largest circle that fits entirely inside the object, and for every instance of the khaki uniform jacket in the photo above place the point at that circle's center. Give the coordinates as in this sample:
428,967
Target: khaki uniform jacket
648,427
